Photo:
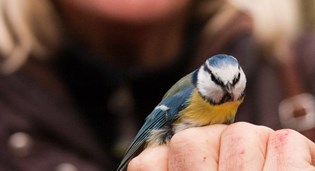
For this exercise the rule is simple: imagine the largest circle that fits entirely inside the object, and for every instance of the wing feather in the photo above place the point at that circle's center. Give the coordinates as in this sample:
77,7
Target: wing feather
156,120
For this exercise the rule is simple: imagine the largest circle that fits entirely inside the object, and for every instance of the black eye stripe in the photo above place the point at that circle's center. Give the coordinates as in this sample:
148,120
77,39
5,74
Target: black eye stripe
218,81
214,79
236,79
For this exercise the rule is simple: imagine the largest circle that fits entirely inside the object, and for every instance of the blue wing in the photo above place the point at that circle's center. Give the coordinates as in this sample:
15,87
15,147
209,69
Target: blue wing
156,120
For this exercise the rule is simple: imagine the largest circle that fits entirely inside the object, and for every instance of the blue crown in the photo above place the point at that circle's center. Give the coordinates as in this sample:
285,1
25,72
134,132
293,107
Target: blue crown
221,60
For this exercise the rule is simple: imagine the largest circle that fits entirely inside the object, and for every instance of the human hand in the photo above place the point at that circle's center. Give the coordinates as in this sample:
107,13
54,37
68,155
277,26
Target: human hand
239,146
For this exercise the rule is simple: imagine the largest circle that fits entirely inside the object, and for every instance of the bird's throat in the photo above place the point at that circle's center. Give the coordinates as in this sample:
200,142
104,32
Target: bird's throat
205,113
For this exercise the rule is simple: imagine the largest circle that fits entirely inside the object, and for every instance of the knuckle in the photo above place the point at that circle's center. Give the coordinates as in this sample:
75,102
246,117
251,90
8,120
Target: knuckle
283,133
246,131
280,137
238,129
185,137
136,164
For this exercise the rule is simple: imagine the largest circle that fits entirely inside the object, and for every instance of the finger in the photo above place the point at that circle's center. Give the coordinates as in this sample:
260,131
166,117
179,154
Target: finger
289,150
153,159
243,147
311,146
195,149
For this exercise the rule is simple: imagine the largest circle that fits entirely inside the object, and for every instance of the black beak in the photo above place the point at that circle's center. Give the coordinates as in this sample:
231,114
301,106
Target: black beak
228,95
229,88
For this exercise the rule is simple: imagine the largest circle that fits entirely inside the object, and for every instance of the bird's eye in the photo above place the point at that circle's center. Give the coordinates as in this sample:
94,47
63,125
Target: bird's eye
214,79
236,79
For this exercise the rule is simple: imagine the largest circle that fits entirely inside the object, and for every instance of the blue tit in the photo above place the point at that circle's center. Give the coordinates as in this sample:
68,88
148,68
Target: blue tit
209,95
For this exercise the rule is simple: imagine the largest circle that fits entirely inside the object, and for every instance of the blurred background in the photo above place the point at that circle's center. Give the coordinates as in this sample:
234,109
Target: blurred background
79,77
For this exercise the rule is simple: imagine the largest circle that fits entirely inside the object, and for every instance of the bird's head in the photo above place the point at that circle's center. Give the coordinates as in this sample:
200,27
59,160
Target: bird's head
220,79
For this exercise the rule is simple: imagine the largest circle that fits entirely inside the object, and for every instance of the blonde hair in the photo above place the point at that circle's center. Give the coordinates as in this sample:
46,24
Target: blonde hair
27,28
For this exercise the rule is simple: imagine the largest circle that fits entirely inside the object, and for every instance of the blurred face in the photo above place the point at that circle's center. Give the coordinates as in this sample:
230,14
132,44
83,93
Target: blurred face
134,11
145,33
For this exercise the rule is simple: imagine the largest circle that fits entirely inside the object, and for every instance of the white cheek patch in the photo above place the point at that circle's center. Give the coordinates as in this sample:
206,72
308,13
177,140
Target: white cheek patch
241,85
207,87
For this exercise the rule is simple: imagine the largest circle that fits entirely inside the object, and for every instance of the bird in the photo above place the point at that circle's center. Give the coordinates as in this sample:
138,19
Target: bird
211,94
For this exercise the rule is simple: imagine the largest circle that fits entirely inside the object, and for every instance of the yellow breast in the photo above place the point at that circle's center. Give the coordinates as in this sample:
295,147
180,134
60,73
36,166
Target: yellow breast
201,111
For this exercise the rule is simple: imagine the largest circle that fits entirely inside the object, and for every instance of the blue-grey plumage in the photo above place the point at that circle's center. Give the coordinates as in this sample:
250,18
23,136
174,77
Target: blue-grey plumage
162,116
209,95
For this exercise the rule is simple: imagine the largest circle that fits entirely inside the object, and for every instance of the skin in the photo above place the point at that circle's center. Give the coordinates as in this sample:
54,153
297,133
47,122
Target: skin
240,146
